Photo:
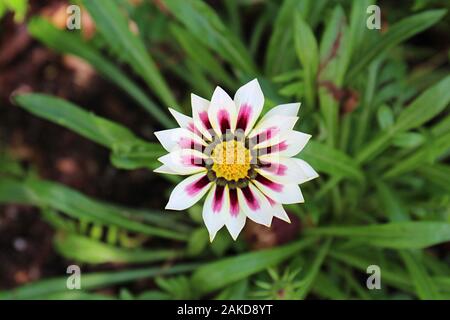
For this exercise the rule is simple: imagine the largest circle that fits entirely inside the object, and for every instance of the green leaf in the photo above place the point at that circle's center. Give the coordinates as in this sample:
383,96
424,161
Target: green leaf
434,148
357,27
75,295
43,193
408,140
424,108
331,161
218,274
397,33
203,23
396,235
314,270
114,27
198,242
334,48
67,114
390,202
128,151
308,54
441,127
19,7
87,250
91,281
199,54
424,285
393,276
438,174
385,117
279,53
325,287
72,43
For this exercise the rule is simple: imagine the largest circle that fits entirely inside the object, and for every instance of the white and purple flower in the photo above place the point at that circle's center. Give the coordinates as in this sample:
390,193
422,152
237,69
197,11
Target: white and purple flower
246,168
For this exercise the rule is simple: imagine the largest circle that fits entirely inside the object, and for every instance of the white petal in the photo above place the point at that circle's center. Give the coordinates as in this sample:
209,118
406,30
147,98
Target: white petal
249,101
215,209
179,138
285,170
235,224
183,120
188,192
200,108
279,192
287,144
222,112
268,131
286,110
184,161
279,212
308,172
165,169
255,205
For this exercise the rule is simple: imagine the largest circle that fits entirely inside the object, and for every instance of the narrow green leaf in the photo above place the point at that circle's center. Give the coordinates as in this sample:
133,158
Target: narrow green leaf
314,270
67,114
424,285
199,54
72,43
391,275
325,287
434,148
393,208
428,105
218,274
408,140
90,281
438,174
114,27
87,250
74,295
308,54
331,161
424,108
279,54
203,23
43,193
396,235
397,33
385,117
128,151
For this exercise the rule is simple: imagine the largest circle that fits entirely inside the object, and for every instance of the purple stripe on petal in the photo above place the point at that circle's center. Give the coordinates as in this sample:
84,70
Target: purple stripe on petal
205,120
224,120
243,116
196,186
281,146
265,135
268,183
191,160
191,127
275,148
275,168
250,198
234,203
272,202
187,143
218,199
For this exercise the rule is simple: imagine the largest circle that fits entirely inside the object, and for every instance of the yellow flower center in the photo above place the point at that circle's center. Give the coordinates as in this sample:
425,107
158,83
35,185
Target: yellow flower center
231,160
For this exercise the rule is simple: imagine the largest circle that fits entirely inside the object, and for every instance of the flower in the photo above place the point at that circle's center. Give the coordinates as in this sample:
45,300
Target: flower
245,170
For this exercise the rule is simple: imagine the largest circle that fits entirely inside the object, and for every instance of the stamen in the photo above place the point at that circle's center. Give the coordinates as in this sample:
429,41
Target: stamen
231,160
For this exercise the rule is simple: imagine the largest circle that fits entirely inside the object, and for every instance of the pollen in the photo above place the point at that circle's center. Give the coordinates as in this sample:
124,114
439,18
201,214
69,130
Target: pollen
231,160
